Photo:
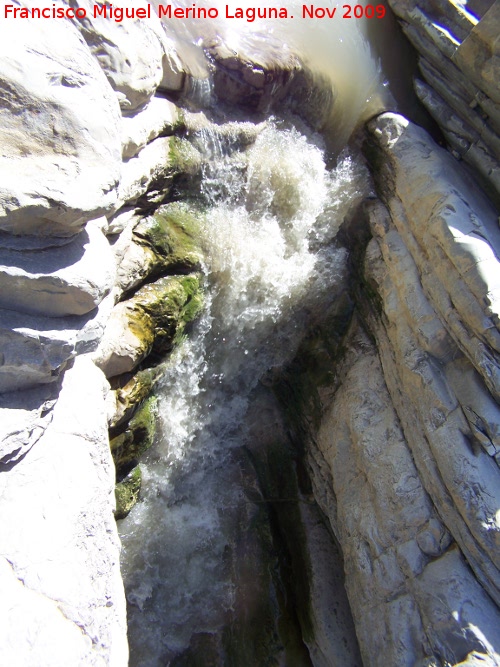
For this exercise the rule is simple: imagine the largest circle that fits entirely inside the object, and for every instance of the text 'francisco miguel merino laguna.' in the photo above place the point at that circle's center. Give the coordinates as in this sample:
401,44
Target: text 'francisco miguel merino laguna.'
118,14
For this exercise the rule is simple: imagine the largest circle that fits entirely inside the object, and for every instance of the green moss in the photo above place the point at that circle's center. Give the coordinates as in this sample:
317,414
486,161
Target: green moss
183,156
172,235
194,303
131,392
129,446
158,312
127,493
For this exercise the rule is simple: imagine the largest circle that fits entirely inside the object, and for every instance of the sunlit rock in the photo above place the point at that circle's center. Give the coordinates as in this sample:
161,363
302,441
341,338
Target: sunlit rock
60,552
24,418
458,55
434,263
130,52
59,130
36,349
151,319
159,117
71,279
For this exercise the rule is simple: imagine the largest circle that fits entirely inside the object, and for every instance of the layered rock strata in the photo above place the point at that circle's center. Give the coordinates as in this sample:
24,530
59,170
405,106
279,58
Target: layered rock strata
460,68
93,276
403,452
85,141
404,448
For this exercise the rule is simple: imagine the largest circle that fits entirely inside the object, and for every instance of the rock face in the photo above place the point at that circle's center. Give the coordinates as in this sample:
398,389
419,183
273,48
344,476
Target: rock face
78,98
404,461
59,549
459,63
50,125
97,282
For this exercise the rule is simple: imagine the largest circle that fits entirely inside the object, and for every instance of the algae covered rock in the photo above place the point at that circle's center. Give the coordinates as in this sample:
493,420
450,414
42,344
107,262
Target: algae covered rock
133,392
151,321
130,445
127,493
148,177
165,242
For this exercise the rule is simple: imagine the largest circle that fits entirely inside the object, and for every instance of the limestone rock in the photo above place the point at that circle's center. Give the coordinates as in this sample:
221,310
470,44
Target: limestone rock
151,319
434,263
36,349
411,340
67,280
452,233
174,70
161,243
459,60
60,551
153,169
59,642
24,418
130,53
123,218
29,357
159,117
478,56
395,546
59,120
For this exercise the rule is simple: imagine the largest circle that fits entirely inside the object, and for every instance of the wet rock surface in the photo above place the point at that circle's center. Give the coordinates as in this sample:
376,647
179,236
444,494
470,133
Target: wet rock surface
368,532
275,80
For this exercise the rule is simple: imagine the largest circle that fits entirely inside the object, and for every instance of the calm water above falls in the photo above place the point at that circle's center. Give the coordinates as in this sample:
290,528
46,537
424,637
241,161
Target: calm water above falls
271,267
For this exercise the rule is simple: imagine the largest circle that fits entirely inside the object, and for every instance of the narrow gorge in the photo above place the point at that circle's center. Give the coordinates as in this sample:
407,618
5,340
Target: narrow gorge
250,339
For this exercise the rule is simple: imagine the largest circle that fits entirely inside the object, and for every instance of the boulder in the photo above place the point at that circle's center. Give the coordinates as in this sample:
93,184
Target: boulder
130,53
165,242
159,117
149,321
67,280
60,120
63,600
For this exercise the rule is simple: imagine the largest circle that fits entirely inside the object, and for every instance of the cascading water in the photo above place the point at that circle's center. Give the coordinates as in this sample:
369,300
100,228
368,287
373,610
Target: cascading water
271,211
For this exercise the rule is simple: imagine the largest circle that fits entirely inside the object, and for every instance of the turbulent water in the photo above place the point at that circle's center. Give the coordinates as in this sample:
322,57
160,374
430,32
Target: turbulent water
272,210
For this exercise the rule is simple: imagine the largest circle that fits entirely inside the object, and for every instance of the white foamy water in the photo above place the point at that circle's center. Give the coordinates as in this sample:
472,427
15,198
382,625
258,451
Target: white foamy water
271,210
270,268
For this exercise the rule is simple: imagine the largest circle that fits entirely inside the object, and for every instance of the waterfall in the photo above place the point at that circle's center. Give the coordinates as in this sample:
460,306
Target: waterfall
270,209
